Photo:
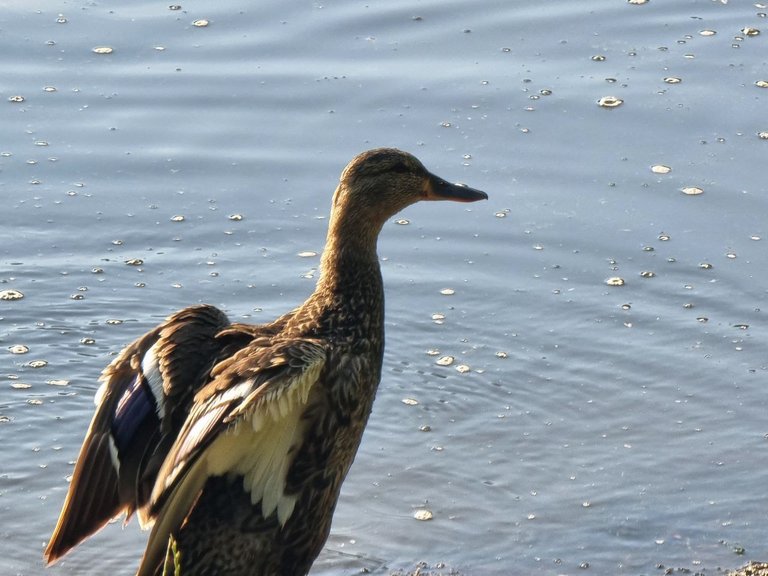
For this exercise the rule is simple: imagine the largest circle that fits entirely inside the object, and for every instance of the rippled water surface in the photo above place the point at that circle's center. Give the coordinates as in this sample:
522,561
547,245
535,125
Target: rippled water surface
582,427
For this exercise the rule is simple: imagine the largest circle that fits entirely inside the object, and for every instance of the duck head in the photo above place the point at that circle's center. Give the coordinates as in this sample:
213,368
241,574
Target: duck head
379,183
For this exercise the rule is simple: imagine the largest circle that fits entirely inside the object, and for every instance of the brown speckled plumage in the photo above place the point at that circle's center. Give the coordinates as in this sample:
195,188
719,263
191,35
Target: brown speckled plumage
232,440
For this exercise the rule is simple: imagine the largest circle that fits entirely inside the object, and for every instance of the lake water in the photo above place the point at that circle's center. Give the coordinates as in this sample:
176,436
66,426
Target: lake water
582,428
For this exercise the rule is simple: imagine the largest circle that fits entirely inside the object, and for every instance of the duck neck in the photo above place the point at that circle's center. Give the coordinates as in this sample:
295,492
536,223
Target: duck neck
350,262
348,302
349,265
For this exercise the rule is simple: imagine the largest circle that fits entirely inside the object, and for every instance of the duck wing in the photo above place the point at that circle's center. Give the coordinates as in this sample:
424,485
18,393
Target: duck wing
245,422
142,403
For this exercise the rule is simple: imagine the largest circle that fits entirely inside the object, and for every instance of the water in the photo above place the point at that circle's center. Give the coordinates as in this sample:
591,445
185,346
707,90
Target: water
599,429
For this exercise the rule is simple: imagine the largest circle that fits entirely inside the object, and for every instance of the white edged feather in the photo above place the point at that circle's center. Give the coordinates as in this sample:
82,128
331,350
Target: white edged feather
150,367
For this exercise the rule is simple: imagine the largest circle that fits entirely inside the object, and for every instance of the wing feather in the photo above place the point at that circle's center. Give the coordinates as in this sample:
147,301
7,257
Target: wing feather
144,395
245,422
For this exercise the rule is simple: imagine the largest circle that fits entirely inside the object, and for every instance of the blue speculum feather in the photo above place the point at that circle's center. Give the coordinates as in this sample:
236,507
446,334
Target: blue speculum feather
137,404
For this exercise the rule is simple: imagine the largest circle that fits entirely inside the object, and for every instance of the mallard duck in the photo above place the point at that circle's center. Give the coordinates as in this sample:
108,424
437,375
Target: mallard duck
232,440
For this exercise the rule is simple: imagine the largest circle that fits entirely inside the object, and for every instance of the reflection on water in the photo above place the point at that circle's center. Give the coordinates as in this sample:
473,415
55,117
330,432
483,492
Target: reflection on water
574,375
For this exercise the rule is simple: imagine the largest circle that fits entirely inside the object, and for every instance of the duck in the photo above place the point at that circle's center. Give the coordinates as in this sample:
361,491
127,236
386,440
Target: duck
230,441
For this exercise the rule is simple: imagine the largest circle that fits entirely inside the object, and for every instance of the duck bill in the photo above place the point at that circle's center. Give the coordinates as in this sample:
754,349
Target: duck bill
438,189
